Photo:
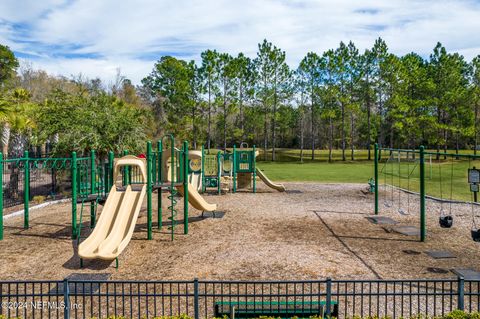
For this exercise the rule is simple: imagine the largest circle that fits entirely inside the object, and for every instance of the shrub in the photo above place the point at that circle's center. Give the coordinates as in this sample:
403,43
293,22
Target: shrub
38,199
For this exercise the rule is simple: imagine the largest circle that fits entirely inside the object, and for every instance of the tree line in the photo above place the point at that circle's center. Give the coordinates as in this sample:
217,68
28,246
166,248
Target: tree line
339,99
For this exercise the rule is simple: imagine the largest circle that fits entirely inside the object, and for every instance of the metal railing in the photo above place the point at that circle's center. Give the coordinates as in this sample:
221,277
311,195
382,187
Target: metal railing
200,298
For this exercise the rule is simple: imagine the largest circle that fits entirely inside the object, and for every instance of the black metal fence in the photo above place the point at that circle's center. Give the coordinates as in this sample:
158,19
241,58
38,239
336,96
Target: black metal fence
205,299
48,179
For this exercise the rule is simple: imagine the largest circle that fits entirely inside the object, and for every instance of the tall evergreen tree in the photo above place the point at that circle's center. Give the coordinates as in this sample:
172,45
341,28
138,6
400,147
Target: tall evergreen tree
475,72
210,76
226,81
309,80
353,78
275,77
448,72
245,77
366,61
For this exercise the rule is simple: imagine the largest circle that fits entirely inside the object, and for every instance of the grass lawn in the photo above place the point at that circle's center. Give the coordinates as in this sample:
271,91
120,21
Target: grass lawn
441,180
349,172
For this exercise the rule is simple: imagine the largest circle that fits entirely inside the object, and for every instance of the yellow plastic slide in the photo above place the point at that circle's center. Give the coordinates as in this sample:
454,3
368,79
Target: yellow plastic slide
266,180
117,221
196,200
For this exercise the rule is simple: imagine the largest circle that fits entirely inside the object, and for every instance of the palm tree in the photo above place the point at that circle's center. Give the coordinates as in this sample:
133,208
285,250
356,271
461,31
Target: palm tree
14,113
5,111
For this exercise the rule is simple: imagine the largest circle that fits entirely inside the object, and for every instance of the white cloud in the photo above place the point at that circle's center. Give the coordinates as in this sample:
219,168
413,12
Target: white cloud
27,10
133,34
106,69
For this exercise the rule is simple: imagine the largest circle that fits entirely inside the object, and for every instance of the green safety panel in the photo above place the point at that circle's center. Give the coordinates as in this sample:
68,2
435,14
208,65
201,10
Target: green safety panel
211,182
244,161
210,165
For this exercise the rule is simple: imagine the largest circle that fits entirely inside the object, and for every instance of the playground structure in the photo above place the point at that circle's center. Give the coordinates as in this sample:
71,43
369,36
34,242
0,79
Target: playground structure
161,170
89,179
121,184
404,174
231,171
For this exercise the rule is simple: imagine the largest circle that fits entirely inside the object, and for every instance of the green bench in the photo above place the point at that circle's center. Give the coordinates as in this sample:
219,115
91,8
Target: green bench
282,309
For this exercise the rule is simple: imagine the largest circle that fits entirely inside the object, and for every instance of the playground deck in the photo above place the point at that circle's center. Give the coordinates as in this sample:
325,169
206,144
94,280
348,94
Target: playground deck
312,231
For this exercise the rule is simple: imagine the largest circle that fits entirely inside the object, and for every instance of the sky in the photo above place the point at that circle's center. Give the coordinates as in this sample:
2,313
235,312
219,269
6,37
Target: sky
97,38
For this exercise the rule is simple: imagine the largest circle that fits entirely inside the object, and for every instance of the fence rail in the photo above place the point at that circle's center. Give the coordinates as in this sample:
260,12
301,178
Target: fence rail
203,299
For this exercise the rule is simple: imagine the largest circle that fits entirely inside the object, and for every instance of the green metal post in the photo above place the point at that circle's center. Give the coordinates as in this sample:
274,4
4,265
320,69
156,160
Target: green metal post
431,167
185,187
126,171
66,299
149,190
159,161
74,194
159,181
423,228
196,307
26,190
375,154
219,172
103,189
173,163
1,196
92,187
328,303
234,169
461,293
110,170
254,170
203,169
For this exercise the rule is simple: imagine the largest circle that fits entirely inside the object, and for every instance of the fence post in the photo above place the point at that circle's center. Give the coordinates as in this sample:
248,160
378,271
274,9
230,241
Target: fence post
26,190
126,171
110,170
66,299
375,154
74,194
203,169
423,227
219,173
149,190
461,293
234,168
254,159
195,300
159,181
1,196
328,303
92,188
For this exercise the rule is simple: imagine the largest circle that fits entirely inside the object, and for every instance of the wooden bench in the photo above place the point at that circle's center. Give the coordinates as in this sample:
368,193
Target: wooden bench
282,309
